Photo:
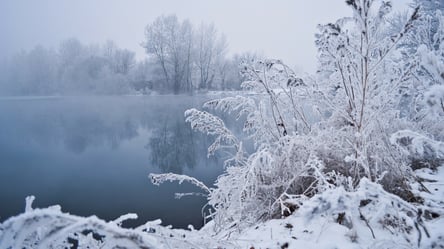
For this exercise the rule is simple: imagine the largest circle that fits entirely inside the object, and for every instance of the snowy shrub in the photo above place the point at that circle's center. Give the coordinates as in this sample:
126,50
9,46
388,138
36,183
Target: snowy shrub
283,166
434,99
295,156
432,65
423,99
370,214
50,228
422,151
316,133
360,77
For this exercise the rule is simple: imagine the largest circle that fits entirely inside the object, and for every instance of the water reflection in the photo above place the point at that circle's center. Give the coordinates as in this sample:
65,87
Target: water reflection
172,147
92,155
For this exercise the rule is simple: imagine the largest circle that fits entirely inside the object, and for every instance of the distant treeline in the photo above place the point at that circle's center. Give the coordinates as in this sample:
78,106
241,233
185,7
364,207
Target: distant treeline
181,58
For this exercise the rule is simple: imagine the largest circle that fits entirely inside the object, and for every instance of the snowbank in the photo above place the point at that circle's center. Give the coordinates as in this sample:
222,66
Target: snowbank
367,218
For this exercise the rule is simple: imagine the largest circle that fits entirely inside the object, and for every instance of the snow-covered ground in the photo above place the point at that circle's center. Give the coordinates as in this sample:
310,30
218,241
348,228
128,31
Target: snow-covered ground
371,218
366,218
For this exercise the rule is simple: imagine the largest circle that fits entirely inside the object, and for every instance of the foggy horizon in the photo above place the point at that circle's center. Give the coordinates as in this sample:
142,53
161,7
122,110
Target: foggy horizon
281,29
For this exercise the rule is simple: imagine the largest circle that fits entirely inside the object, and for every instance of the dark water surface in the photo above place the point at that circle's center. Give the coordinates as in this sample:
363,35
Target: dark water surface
92,155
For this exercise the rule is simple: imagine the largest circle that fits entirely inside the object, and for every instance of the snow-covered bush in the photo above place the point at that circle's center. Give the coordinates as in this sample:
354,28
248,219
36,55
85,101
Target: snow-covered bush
422,151
50,228
423,100
316,133
431,73
360,77
330,130
369,217
256,186
366,71
369,212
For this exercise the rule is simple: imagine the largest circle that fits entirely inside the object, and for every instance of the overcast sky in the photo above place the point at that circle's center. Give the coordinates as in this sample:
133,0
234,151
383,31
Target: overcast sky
281,29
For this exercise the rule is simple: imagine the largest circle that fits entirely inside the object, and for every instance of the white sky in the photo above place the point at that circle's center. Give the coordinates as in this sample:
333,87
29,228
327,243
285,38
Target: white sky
281,29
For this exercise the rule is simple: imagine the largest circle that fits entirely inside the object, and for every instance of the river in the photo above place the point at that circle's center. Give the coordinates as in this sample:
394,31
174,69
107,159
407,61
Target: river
92,156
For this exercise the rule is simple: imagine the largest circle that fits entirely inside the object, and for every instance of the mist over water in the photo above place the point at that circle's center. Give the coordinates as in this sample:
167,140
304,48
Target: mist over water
92,155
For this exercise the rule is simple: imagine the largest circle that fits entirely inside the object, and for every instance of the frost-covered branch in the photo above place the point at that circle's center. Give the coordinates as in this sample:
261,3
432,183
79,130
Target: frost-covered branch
157,179
50,228
418,146
211,125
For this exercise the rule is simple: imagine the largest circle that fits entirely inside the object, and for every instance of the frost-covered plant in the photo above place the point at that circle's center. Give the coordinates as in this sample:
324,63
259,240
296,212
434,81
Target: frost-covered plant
430,78
312,134
423,100
283,167
360,77
421,150
50,228
370,212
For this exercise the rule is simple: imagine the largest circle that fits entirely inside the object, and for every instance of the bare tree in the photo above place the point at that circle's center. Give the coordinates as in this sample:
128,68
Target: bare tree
211,48
169,41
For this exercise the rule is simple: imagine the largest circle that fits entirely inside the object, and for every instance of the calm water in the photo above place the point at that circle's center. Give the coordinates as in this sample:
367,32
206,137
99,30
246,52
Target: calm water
92,155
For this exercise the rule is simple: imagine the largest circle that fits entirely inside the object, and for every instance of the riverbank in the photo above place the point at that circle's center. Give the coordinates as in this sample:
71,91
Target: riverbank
366,218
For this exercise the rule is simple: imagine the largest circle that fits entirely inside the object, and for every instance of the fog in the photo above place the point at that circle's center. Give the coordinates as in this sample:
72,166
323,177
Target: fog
282,29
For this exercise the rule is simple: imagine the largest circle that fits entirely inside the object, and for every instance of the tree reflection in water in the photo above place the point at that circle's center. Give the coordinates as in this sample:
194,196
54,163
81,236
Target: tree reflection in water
172,147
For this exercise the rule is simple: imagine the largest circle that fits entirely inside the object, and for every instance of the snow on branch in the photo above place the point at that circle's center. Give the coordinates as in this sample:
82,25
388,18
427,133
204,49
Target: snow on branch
29,201
243,105
122,218
256,124
157,179
434,99
50,228
417,145
207,123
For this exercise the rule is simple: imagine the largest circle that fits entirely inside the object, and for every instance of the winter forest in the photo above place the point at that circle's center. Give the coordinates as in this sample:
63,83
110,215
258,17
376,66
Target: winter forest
257,153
